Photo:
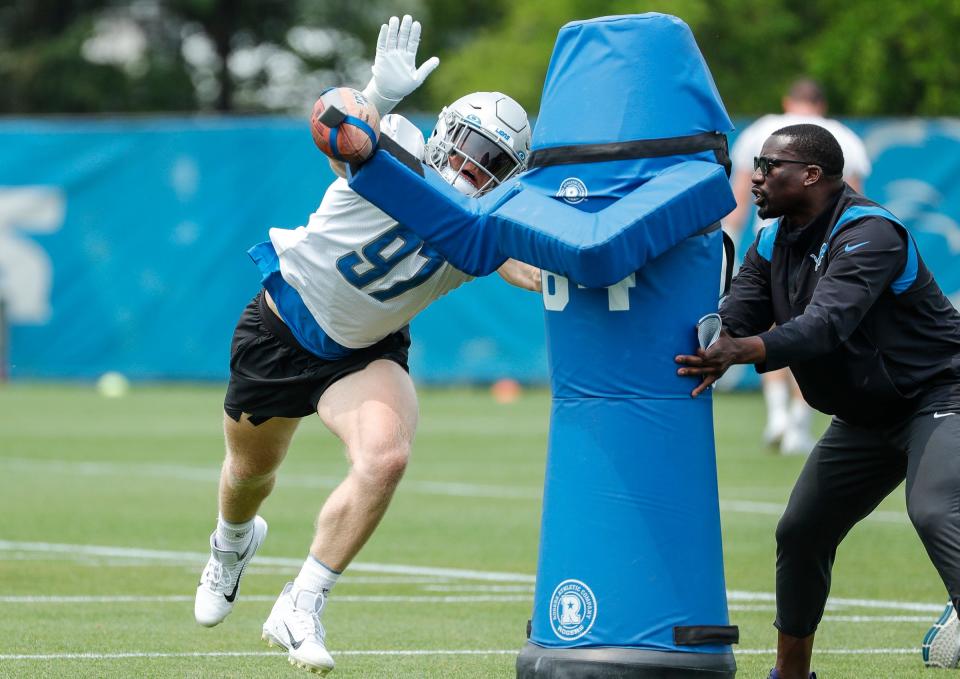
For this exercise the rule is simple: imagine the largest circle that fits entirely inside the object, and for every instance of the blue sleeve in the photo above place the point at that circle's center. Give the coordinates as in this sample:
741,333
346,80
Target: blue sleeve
594,249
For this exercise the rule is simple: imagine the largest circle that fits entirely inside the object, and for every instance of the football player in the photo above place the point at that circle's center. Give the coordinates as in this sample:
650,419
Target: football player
328,334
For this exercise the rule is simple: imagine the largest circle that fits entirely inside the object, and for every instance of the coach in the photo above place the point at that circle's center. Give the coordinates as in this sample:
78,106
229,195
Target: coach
873,341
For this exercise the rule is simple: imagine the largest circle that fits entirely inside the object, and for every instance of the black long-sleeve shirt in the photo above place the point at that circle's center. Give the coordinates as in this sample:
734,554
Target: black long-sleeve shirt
859,318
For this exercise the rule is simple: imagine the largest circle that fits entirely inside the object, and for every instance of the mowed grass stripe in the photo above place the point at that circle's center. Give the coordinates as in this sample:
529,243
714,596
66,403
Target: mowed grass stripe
133,470
442,488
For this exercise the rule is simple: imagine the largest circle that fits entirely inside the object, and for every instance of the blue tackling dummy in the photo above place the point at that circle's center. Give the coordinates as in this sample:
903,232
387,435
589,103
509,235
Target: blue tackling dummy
620,208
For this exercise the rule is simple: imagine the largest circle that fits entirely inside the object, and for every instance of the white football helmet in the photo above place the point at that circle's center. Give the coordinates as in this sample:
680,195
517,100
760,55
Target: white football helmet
480,141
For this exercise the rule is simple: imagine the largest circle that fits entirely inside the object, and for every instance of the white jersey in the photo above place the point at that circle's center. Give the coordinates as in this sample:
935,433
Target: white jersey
361,275
856,162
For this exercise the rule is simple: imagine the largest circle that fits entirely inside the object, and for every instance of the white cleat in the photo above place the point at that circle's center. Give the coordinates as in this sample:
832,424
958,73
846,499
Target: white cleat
941,644
294,624
796,442
775,428
220,580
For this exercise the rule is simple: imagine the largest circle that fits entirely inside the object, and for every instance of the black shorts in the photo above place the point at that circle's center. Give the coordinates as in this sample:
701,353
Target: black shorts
271,375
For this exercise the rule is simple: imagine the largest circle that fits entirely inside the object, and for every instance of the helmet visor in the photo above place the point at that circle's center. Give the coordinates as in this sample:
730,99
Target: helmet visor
483,152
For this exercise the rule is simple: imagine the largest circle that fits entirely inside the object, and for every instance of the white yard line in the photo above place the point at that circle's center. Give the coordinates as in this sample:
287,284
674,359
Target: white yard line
182,598
66,551
840,602
388,652
835,651
929,620
776,509
241,654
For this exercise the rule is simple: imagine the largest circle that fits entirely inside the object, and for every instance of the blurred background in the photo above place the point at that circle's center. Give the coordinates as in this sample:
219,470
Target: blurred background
144,146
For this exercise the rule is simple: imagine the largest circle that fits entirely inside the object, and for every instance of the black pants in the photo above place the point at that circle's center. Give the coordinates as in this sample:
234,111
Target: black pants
849,472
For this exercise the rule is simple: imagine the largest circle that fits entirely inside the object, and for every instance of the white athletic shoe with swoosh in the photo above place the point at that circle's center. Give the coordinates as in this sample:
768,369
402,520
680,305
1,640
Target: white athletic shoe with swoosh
294,624
220,580
941,644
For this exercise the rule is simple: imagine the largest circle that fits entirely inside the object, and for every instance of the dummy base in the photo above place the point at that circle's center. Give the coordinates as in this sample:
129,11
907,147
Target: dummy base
536,662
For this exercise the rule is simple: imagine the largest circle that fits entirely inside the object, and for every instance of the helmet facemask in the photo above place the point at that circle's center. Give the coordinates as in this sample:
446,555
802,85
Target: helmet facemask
471,159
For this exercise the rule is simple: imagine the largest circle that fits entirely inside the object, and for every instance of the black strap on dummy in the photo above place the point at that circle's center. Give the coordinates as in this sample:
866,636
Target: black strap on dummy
398,152
700,635
630,150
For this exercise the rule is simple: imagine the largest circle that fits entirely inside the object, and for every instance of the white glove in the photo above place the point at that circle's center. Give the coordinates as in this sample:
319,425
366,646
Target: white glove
395,72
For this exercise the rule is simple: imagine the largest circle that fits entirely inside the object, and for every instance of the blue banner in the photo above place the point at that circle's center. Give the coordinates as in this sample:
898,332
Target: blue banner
123,243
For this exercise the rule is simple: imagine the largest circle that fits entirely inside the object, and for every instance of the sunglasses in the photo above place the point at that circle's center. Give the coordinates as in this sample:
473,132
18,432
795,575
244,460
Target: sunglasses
764,164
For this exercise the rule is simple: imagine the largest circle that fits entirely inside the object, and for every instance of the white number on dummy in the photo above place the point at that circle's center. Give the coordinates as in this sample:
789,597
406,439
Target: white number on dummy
557,295
618,296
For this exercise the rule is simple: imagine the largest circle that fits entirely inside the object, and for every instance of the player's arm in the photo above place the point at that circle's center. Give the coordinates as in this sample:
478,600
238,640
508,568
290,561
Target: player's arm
863,261
520,274
455,225
338,166
395,72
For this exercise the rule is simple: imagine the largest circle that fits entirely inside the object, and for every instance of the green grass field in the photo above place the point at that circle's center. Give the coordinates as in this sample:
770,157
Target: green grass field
107,505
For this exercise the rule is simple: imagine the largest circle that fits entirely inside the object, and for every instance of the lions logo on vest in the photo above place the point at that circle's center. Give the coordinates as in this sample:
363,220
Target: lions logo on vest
818,259
572,190
573,610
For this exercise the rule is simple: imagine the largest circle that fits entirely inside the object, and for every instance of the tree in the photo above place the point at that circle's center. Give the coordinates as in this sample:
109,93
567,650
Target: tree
875,57
232,23
889,57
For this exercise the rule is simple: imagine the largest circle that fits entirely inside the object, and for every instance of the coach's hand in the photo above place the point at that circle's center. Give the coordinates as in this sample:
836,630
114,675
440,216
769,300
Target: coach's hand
395,72
710,364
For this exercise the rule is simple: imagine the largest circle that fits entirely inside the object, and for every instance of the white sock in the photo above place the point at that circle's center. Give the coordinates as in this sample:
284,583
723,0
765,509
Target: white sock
315,576
776,393
800,415
235,537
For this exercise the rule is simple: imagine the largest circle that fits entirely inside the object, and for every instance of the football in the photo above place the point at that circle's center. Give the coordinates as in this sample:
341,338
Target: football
345,126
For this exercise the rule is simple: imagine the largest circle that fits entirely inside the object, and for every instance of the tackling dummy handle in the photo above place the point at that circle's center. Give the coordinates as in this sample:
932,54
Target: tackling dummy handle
332,117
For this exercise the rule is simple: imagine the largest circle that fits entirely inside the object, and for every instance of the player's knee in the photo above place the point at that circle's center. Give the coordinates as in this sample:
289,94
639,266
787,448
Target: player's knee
384,465
795,531
246,472
929,521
